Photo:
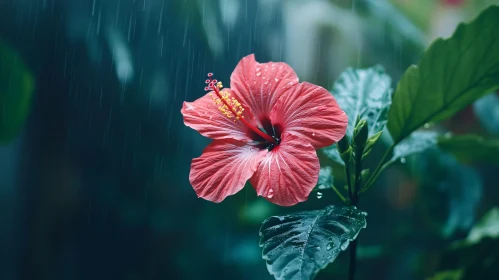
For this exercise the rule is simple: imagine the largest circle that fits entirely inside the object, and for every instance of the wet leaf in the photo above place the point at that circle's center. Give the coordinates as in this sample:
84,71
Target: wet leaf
471,148
333,154
297,246
417,142
451,74
325,178
487,111
364,93
16,89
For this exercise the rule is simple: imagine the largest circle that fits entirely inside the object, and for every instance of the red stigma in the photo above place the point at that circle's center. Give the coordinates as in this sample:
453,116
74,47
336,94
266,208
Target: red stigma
230,107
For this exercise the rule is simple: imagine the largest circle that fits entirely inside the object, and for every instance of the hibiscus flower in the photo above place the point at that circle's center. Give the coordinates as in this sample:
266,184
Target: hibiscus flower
266,128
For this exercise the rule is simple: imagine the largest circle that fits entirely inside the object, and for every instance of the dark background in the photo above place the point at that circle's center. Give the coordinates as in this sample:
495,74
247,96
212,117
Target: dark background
96,184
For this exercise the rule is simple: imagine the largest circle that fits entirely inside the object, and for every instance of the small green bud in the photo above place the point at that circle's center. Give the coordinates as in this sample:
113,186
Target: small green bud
346,155
370,143
344,149
343,145
360,134
364,175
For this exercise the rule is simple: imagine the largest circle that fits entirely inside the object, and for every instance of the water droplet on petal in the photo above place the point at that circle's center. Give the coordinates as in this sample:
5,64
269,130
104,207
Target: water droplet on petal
290,83
319,195
258,74
402,160
313,134
271,193
276,79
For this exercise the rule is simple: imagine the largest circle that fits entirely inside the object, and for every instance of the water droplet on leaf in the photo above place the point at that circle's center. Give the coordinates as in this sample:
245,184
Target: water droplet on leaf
319,195
402,160
344,245
328,247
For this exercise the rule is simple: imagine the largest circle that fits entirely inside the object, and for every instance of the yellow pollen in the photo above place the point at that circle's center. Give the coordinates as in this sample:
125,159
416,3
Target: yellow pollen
229,106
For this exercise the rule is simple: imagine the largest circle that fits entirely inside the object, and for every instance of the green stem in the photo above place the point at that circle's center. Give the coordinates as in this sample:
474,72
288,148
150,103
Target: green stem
349,180
355,201
339,194
380,168
353,260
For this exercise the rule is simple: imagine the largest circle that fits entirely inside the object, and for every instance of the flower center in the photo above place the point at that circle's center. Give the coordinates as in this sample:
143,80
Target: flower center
232,108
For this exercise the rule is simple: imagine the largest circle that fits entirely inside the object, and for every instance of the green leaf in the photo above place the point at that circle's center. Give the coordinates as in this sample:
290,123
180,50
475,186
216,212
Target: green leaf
471,148
451,75
297,246
488,226
325,178
487,111
332,153
417,142
16,89
364,93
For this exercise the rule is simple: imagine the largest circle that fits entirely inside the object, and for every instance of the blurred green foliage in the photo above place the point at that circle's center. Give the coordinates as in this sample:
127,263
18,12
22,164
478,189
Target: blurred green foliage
16,90
477,256
471,148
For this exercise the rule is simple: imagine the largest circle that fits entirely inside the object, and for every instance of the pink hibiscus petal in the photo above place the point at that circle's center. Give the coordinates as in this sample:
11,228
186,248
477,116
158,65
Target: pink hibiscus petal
288,173
261,84
204,116
223,169
312,113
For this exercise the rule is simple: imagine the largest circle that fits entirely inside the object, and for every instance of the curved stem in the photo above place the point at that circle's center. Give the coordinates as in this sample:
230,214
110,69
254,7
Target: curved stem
380,168
340,195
